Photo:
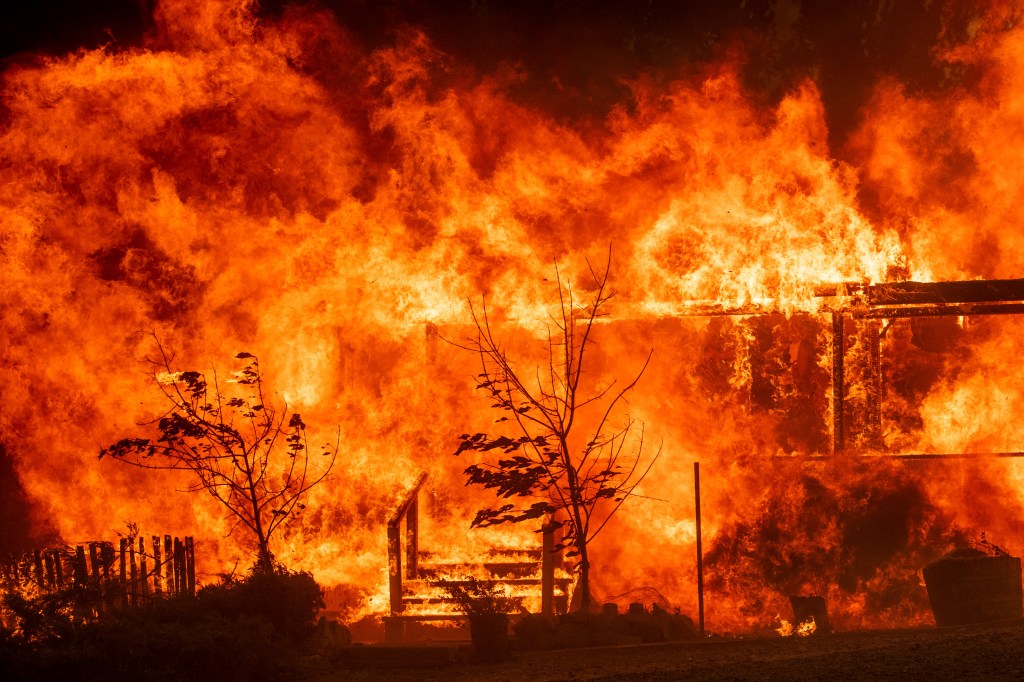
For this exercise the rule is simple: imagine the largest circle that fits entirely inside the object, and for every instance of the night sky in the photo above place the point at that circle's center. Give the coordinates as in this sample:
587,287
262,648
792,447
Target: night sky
577,54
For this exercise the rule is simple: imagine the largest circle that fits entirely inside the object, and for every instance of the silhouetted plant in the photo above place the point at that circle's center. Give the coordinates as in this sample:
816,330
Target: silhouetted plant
543,458
250,455
476,598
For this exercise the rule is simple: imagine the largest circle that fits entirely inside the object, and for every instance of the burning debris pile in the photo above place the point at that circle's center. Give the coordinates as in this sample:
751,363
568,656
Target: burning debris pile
279,182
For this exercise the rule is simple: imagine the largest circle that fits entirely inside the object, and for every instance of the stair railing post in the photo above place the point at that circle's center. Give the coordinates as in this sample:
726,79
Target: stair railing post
547,568
412,544
395,568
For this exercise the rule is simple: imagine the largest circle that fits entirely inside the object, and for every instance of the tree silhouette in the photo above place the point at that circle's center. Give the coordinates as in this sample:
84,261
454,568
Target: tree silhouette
250,455
544,458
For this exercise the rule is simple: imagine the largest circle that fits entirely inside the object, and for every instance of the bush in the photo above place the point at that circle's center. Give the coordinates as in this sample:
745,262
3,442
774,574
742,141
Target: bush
288,601
245,629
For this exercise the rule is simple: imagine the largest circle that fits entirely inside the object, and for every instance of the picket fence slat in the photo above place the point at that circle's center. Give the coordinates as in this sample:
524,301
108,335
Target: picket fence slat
119,575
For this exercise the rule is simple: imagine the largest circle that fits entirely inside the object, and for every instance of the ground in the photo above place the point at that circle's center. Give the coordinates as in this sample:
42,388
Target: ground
980,652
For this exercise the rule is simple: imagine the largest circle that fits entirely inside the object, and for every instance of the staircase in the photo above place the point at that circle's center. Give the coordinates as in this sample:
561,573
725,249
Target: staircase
415,596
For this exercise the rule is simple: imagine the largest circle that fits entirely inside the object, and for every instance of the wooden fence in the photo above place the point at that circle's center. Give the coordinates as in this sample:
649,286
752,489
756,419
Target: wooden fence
130,572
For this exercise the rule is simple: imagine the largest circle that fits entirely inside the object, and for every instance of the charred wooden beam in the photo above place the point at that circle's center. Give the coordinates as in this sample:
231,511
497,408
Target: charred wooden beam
157,567
168,565
122,584
51,572
190,565
412,539
59,568
133,586
925,293
874,380
838,382
403,507
911,456
893,312
37,563
395,570
143,569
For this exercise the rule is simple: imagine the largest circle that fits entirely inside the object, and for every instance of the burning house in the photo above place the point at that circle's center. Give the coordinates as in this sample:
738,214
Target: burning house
830,287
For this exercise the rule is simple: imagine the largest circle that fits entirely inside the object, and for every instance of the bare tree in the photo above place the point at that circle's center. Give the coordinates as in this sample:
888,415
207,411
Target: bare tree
250,455
545,459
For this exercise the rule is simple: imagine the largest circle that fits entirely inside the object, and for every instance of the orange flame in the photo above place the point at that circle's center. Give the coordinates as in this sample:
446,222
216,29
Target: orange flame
269,185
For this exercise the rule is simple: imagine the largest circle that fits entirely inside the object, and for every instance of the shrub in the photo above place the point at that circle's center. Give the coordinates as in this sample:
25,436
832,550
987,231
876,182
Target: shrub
288,601
245,629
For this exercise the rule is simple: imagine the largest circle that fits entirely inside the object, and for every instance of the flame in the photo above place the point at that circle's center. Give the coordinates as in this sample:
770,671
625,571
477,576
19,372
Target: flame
803,629
785,628
272,185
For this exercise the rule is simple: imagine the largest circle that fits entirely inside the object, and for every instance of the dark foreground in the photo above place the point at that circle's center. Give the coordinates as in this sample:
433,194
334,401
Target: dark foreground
979,652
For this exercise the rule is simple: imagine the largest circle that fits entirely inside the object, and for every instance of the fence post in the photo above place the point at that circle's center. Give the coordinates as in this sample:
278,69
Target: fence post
168,565
157,567
133,588
37,562
59,568
143,568
95,576
179,566
122,582
81,570
190,565
51,572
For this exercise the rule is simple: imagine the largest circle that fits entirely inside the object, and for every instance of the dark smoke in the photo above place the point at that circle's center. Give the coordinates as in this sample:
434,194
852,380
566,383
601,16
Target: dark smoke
576,57
20,526
835,530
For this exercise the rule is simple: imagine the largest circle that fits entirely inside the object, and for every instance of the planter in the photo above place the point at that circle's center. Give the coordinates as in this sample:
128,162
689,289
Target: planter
489,633
967,586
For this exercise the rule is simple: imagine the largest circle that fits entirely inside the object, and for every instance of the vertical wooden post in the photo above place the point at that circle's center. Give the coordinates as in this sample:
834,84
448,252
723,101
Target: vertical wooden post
81,572
59,568
37,563
168,565
190,565
395,568
133,586
700,549
122,574
874,384
547,568
838,382
394,631
95,576
51,572
94,564
412,541
143,569
109,590
179,566
157,567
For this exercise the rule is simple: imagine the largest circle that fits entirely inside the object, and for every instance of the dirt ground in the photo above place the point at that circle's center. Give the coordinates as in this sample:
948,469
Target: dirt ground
980,652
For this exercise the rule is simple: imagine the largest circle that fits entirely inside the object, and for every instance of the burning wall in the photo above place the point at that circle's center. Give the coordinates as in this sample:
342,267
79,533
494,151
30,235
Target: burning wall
270,185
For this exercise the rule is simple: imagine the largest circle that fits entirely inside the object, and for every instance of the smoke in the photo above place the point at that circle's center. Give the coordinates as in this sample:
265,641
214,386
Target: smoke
857,535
